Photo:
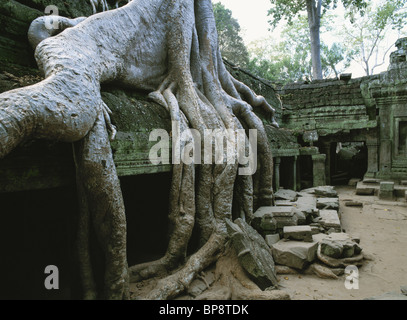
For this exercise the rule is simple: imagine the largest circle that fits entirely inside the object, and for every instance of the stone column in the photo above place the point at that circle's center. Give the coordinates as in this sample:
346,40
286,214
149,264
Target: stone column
318,166
372,158
277,162
326,149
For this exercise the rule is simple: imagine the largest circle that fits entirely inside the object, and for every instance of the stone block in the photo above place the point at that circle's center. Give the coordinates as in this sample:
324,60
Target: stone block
280,216
329,219
364,190
253,253
307,205
272,239
386,191
284,203
353,182
301,217
285,194
387,186
295,254
339,245
301,233
328,203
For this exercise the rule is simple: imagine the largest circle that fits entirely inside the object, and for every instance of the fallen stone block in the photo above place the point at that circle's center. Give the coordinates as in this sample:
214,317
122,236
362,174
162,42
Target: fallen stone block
285,194
329,219
328,203
339,245
263,221
307,205
300,233
301,217
295,254
272,239
284,203
326,191
253,253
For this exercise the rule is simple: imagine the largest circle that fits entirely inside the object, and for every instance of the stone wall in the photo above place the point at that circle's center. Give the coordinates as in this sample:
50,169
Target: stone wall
371,110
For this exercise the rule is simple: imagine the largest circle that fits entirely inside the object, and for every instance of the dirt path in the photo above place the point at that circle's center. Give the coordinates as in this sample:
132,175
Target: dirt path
382,227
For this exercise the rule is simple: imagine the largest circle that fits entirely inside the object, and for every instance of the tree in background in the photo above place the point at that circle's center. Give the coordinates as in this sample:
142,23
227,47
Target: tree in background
367,35
231,43
290,59
289,9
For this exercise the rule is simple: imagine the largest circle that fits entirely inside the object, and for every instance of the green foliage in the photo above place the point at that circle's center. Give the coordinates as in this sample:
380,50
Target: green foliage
290,59
231,43
368,34
290,9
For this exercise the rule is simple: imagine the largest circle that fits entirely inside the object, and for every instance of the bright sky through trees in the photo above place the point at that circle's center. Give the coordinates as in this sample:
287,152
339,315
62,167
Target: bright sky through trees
252,17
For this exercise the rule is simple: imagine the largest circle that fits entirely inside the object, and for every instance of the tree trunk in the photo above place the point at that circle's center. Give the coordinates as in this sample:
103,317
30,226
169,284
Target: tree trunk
169,48
314,22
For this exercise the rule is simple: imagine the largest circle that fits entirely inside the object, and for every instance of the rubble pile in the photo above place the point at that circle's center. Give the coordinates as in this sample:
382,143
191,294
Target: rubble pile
304,232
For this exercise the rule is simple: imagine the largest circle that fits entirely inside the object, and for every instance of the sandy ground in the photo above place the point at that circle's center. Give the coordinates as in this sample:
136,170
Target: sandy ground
382,227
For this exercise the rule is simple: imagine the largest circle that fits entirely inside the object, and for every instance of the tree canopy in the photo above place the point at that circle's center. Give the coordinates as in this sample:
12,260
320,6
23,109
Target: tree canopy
231,43
288,10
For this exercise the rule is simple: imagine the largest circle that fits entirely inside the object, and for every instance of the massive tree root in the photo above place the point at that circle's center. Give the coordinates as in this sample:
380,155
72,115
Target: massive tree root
169,48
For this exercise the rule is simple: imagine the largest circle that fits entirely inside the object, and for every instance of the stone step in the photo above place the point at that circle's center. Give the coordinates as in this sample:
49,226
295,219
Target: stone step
300,233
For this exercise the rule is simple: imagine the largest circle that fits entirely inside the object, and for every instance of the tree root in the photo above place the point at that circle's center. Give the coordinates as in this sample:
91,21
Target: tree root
179,60
339,263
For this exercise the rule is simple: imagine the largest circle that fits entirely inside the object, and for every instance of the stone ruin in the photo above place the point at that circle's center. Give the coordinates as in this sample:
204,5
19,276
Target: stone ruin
303,234
334,131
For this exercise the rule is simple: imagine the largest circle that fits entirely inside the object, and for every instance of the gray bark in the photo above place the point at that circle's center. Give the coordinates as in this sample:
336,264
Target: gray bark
169,48
314,22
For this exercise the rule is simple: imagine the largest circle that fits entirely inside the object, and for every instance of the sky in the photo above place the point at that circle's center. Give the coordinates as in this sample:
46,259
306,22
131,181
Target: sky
252,17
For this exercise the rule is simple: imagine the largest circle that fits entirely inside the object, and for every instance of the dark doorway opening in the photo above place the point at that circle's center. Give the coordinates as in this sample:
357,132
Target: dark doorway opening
348,161
38,228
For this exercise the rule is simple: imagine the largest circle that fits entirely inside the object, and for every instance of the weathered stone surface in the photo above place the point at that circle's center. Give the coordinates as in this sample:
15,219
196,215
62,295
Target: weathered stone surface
253,253
326,191
301,217
328,203
272,239
371,181
295,254
321,191
386,191
330,219
364,190
285,194
353,204
353,182
340,245
332,249
308,205
280,216
301,233
284,203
